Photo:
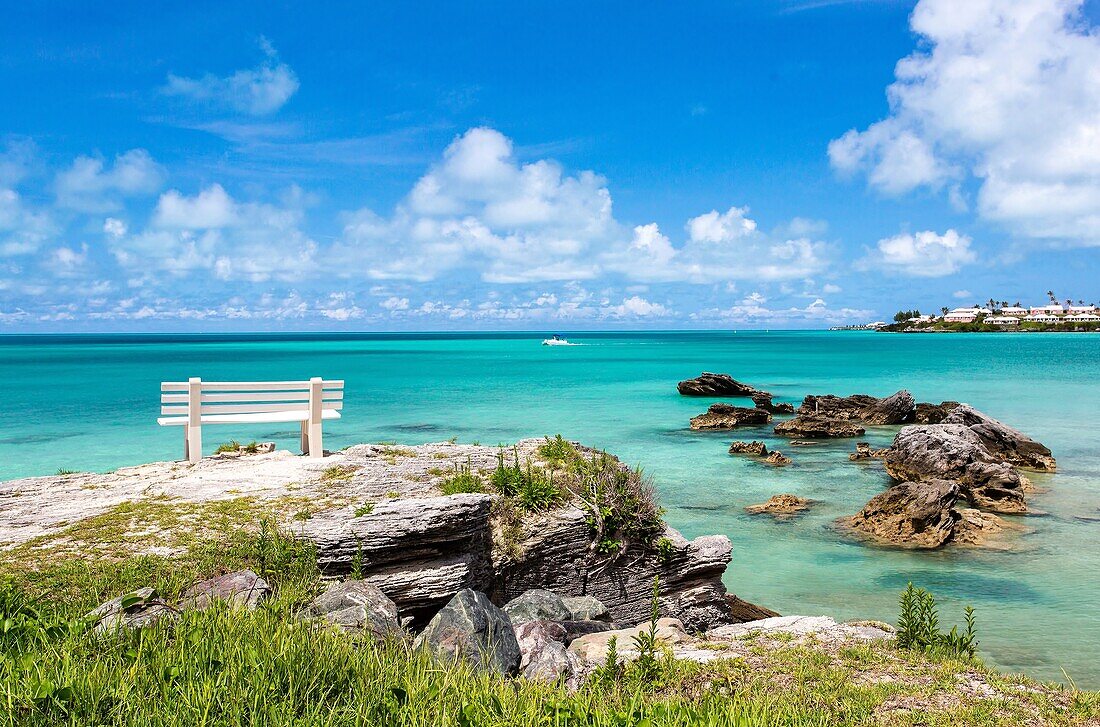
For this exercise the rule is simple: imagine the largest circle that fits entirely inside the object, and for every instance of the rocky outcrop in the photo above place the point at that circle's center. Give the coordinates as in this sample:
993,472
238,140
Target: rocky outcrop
753,448
895,409
471,628
743,611
1003,441
727,416
820,628
777,459
955,452
924,515
781,507
357,606
815,427
864,452
554,552
933,413
242,589
911,514
420,552
763,400
708,384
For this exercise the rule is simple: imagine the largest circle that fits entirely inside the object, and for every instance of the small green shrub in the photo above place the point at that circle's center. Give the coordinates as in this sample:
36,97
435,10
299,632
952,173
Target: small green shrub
64,472
919,626
231,446
463,479
664,549
365,509
557,452
648,666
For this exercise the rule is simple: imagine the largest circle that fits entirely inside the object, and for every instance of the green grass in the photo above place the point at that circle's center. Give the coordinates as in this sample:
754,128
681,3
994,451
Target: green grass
268,667
462,479
338,473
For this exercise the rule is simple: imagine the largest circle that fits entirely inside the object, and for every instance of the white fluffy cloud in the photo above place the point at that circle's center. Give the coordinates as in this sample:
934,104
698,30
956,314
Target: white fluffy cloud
257,91
90,185
921,254
1006,92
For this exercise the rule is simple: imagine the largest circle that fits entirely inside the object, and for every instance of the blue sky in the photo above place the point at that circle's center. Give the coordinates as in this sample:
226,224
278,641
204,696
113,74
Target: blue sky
801,163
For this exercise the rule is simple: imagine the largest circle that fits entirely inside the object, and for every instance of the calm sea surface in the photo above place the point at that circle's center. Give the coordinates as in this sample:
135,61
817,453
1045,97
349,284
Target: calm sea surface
91,403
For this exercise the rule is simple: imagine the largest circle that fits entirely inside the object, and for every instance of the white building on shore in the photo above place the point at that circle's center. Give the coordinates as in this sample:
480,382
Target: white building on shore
1002,321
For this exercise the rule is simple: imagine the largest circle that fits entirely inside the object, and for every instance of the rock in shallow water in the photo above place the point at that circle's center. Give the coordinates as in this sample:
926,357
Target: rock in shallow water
895,409
754,448
781,507
708,384
954,452
763,400
727,416
470,627
816,427
1003,441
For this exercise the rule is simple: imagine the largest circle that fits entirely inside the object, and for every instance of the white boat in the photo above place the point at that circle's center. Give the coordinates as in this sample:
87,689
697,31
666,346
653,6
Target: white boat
556,341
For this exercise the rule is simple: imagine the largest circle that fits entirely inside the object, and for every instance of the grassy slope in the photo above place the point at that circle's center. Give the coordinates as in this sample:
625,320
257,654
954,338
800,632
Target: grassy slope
269,668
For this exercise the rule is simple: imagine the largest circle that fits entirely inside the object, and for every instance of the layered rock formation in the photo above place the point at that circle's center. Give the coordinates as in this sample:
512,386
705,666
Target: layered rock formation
895,409
753,448
955,452
815,427
727,416
708,384
1003,441
763,400
781,507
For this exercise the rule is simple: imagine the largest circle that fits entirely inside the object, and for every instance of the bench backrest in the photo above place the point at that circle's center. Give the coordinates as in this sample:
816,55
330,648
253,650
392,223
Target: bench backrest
249,397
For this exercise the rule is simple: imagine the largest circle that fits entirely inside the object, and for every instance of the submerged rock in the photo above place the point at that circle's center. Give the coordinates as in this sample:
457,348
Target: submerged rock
1003,441
357,606
242,589
754,448
814,427
537,605
133,610
763,400
781,507
954,452
470,627
727,416
708,384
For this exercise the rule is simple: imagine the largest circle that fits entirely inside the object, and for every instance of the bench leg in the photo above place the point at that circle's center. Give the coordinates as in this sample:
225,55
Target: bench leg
194,444
316,447
186,443
305,438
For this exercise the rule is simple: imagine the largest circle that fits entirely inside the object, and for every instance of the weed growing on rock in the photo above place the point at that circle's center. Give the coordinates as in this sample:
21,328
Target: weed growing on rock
557,452
463,479
231,446
338,473
64,472
364,509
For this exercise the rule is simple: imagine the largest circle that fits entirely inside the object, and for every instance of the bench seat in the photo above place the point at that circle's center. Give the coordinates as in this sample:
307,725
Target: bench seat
260,418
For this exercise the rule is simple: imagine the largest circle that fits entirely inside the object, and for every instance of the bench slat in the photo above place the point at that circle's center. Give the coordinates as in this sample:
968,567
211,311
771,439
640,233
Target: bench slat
247,408
259,396
259,418
251,385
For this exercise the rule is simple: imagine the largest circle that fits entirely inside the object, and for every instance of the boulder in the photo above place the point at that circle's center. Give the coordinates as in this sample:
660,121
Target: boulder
745,611
727,416
778,459
537,605
241,589
763,400
864,452
983,528
757,449
419,551
895,409
576,629
1003,441
933,413
470,627
820,628
708,384
553,551
543,652
592,649
955,452
356,605
911,514
781,507
134,610
815,427
585,608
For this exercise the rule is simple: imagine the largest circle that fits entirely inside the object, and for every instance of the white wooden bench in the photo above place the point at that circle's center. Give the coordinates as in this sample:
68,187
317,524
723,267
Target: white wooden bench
195,402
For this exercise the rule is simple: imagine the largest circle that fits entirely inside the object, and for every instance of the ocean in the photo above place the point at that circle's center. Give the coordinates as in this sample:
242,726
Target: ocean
91,403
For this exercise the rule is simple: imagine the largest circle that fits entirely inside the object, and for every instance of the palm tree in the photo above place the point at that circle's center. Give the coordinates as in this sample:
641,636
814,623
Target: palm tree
943,310
1050,294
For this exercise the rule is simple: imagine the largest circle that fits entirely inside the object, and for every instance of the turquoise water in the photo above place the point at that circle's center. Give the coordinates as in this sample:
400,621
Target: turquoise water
91,403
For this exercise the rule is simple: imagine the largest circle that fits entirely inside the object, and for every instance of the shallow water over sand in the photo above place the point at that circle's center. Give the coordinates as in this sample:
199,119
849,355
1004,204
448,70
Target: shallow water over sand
91,403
